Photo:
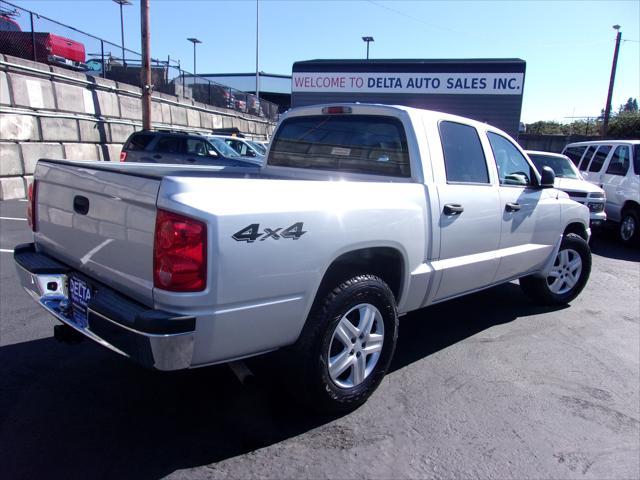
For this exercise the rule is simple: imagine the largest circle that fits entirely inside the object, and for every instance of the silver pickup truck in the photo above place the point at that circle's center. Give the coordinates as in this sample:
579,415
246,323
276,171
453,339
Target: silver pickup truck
363,213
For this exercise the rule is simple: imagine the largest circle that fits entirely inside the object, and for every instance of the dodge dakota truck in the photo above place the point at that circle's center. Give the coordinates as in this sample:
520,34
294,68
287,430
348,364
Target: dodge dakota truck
362,214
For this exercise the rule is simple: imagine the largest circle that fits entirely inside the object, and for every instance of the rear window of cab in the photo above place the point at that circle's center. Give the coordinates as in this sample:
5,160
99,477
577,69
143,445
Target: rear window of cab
367,144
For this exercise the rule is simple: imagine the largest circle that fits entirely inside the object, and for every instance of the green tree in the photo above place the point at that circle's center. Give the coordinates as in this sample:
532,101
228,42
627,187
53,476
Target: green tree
589,126
630,106
582,127
625,125
545,128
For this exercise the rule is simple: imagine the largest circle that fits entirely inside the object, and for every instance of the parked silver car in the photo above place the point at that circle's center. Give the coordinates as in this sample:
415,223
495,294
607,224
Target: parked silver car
243,147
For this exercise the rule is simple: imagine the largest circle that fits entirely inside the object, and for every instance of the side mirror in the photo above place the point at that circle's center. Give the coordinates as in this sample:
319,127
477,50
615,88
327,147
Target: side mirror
212,153
251,153
547,177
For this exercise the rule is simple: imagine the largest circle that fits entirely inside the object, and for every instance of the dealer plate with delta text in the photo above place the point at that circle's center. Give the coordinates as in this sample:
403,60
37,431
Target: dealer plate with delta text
79,295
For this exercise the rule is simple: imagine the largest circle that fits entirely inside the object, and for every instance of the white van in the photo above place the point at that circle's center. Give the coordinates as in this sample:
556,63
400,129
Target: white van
613,165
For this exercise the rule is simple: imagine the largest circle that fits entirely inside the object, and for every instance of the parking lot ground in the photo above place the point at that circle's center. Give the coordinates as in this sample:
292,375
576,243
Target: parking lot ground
486,386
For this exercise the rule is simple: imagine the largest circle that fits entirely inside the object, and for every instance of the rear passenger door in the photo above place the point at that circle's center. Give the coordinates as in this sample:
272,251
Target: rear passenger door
469,216
586,158
613,181
530,216
197,151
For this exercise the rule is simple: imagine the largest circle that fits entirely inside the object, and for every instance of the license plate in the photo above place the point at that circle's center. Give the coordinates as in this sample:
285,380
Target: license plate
79,294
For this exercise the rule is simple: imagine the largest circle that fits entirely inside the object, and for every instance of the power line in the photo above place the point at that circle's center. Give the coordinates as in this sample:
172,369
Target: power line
482,35
411,17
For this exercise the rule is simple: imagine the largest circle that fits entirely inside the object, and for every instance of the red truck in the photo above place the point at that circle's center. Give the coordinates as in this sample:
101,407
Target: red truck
49,48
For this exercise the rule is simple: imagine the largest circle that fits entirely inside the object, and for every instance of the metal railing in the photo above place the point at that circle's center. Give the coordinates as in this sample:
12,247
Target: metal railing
27,34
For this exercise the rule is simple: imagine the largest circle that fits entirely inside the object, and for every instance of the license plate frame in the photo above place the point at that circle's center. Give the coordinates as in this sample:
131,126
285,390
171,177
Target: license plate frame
80,293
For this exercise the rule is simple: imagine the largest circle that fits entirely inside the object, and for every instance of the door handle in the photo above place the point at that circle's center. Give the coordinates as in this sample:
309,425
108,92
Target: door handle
512,207
452,209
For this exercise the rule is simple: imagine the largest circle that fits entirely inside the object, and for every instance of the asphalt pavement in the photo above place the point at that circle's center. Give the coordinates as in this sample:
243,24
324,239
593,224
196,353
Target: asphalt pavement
486,386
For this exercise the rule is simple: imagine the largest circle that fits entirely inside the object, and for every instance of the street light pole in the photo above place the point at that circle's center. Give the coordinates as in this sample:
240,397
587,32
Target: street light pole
194,41
605,122
368,40
121,3
257,45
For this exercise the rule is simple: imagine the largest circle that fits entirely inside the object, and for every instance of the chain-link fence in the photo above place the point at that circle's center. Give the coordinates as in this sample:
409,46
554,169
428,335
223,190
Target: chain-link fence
26,34
201,89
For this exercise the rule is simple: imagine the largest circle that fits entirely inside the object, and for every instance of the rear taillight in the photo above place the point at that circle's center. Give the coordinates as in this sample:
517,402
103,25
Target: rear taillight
179,253
123,156
32,205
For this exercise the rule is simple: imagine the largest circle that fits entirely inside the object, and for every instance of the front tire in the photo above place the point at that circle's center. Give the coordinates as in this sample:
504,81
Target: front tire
567,277
346,346
629,228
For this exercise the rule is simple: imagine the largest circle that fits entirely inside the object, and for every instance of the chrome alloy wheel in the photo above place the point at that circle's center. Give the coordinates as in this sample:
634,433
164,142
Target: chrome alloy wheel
355,345
566,271
627,228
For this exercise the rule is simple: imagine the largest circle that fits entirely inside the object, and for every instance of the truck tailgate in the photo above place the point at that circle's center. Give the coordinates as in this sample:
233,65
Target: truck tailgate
66,48
99,222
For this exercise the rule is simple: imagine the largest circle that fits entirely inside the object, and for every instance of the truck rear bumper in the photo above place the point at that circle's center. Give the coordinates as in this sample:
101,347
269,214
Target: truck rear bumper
151,338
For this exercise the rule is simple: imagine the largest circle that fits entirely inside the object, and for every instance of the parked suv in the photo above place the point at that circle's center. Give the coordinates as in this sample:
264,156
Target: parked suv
570,181
181,148
613,165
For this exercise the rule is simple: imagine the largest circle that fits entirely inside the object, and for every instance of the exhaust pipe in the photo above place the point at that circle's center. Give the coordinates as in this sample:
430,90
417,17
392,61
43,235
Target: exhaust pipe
66,334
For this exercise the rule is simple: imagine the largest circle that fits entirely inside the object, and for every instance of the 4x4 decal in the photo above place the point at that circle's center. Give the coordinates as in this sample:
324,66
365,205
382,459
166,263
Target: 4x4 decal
252,232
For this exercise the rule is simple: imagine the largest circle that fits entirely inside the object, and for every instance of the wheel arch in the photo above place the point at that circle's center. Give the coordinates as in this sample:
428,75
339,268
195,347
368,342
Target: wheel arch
384,262
577,228
388,262
631,205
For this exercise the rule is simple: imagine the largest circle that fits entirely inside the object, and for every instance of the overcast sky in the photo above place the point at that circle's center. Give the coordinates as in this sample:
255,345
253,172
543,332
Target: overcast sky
568,46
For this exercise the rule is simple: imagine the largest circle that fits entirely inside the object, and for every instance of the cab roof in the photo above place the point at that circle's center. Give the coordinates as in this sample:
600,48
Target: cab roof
392,110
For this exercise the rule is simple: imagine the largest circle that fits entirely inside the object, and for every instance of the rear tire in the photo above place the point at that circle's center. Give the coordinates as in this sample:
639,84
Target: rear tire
346,346
568,275
629,228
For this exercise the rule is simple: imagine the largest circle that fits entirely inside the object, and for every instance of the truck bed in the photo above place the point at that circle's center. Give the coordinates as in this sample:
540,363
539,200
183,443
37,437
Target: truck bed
158,171
112,241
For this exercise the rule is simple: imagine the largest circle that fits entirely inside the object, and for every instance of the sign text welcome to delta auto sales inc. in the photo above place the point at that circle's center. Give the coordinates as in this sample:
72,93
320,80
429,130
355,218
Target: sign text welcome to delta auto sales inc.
434,83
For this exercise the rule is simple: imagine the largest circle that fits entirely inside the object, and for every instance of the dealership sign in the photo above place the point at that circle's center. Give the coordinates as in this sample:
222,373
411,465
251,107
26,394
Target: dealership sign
420,83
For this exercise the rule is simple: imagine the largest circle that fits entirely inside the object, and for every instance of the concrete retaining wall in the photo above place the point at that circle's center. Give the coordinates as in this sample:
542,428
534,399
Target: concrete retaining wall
550,143
52,112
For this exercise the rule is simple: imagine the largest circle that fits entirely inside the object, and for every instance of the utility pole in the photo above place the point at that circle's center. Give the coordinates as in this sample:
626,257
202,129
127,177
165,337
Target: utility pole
145,73
605,122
